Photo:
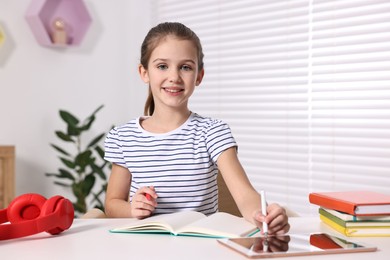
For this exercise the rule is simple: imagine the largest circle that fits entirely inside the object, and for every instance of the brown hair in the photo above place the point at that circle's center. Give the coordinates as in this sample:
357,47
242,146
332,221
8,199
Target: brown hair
151,41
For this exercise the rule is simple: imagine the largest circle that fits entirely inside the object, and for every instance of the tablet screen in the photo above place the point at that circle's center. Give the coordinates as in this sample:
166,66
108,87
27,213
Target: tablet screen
297,244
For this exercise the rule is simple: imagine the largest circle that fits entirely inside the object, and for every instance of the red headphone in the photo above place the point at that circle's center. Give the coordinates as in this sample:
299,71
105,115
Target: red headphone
29,214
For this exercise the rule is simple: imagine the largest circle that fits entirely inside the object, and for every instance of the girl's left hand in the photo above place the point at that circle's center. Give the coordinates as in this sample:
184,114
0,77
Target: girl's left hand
276,219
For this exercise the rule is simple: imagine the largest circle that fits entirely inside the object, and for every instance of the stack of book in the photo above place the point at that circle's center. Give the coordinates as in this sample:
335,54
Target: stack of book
354,213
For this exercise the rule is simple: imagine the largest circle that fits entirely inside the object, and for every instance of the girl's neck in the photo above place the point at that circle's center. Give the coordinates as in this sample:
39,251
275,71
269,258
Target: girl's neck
163,122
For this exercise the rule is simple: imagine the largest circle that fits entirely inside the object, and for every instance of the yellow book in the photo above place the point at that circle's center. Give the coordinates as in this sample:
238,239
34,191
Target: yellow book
367,222
357,231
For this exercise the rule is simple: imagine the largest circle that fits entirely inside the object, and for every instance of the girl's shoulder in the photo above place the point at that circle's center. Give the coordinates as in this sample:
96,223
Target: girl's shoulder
205,119
206,122
132,125
134,122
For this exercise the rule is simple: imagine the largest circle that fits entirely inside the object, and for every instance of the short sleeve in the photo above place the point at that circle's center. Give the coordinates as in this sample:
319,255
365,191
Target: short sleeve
113,151
219,138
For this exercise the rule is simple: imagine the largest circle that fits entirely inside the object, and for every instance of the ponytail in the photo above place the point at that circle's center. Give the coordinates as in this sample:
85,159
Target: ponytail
149,104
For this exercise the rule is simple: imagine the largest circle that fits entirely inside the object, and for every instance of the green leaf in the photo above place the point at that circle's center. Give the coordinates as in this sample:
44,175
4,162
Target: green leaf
99,203
64,137
52,174
96,140
97,109
73,130
100,151
80,206
91,119
69,118
88,123
62,184
60,150
68,163
102,189
76,188
87,184
99,171
66,174
84,159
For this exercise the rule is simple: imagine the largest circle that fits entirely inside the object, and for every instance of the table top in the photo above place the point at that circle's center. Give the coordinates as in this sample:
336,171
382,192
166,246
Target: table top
91,239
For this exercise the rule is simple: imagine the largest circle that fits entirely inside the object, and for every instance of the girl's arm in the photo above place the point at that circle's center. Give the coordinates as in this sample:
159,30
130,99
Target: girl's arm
247,198
117,196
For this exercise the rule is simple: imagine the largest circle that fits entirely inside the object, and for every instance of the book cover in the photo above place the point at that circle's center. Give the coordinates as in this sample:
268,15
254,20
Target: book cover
323,241
192,223
358,224
358,203
357,231
326,242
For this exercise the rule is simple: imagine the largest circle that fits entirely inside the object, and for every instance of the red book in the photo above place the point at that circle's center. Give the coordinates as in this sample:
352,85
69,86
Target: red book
323,241
358,203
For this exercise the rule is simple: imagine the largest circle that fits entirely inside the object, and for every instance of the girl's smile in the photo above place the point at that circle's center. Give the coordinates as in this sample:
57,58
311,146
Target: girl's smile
173,90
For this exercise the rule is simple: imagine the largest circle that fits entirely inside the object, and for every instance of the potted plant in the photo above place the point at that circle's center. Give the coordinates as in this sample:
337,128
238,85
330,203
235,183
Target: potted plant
84,165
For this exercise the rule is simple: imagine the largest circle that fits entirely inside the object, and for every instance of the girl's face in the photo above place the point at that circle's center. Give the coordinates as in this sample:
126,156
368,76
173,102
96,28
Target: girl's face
172,73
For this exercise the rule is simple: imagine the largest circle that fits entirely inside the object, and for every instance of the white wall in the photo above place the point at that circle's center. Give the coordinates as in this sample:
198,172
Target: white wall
37,81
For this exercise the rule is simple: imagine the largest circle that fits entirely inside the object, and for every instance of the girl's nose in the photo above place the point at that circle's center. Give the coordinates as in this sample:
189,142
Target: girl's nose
174,75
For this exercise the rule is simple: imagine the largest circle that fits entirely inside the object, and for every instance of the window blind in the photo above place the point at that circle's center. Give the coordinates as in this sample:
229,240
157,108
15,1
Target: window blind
304,86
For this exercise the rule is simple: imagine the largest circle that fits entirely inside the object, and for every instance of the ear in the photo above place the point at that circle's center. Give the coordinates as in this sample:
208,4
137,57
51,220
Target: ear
199,77
143,73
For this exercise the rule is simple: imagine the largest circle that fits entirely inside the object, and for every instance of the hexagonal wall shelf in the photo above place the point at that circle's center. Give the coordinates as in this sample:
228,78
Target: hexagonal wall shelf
2,36
58,22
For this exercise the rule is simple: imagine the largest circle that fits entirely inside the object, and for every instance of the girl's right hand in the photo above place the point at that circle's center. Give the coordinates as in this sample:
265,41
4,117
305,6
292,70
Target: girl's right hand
144,202
276,219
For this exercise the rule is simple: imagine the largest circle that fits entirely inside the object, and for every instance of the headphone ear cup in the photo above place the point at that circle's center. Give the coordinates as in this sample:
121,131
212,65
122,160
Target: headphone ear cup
25,207
63,209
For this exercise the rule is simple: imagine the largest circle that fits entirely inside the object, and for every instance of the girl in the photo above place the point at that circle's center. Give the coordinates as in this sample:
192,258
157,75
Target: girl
168,160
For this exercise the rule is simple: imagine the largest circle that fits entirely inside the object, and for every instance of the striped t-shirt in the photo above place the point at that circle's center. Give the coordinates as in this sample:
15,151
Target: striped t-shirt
180,164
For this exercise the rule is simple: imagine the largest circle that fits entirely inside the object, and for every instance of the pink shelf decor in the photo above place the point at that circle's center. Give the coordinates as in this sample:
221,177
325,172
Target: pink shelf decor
58,22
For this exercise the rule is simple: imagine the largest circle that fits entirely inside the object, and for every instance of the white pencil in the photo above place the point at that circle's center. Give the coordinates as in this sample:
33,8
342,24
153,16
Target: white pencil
264,211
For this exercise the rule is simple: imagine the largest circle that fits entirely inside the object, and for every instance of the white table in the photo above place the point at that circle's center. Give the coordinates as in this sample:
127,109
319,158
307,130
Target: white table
90,239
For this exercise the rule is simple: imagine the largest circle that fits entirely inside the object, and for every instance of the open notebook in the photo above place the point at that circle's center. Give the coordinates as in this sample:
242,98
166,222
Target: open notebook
191,223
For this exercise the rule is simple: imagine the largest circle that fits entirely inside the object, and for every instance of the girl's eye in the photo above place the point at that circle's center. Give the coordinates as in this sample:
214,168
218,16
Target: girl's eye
186,68
162,67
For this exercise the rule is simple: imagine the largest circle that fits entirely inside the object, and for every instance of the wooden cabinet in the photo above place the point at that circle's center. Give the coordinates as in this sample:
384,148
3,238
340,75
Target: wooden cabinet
2,36
7,175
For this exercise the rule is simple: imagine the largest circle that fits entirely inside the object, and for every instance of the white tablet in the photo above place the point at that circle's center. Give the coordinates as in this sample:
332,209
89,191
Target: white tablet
293,245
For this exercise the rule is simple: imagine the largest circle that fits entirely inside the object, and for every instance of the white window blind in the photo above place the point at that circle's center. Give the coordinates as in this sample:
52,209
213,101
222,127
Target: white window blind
304,85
